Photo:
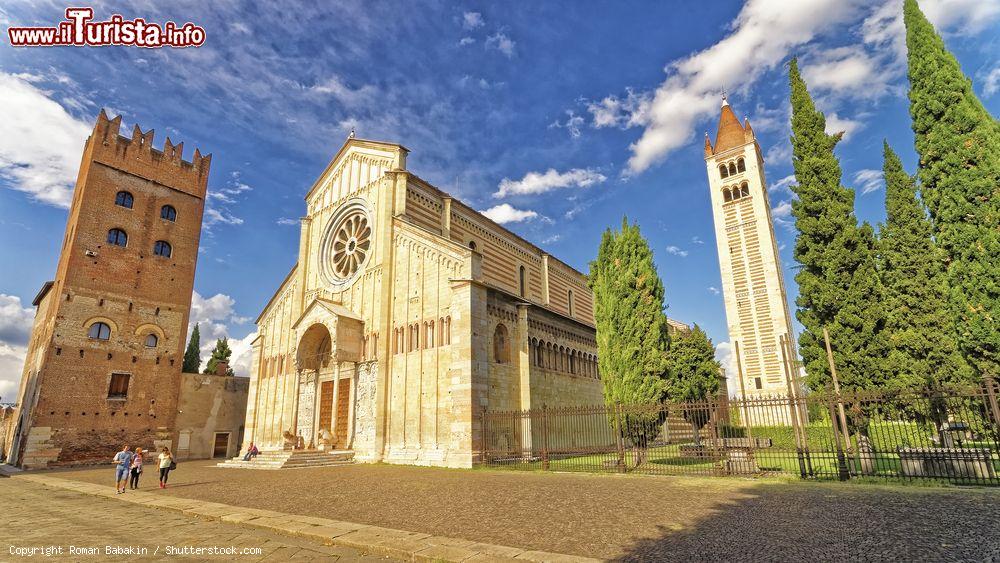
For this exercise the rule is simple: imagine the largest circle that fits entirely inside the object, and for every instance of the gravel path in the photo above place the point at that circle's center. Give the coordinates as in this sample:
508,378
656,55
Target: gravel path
624,517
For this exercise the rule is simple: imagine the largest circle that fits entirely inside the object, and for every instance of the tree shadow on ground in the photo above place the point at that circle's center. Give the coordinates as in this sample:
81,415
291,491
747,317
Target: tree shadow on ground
834,522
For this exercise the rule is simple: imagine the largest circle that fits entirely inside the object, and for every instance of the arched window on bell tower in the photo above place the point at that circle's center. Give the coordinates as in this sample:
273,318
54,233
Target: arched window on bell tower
741,166
732,169
727,195
723,171
744,190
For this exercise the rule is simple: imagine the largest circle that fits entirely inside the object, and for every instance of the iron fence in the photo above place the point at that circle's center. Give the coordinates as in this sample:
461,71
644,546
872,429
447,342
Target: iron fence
945,434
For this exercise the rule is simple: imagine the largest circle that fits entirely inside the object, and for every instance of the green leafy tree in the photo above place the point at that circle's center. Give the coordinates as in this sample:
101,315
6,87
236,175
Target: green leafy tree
693,376
220,353
959,146
192,354
632,338
920,332
839,286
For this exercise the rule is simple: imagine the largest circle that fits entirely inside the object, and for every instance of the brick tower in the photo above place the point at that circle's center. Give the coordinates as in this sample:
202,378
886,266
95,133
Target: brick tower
104,361
753,287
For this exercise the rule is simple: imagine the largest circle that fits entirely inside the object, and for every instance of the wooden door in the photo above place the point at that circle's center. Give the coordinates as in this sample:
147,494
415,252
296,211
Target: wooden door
326,405
343,406
221,445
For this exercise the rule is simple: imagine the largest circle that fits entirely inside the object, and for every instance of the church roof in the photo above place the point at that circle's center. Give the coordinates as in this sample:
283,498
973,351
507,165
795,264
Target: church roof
730,133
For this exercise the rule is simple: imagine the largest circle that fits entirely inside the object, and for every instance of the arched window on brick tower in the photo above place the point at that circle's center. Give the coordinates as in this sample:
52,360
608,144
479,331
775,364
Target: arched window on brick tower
732,169
744,190
741,166
723,171
727,195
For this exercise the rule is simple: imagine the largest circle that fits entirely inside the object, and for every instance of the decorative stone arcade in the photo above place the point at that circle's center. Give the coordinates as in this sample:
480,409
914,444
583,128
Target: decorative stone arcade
326,364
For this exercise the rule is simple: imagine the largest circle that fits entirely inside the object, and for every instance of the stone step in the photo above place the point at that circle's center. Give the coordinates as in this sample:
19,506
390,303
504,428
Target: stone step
291,459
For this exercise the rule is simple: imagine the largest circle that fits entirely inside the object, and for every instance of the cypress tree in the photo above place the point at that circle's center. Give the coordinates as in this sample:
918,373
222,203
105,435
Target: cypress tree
192,354
632,339
220,353
693,375
959,146
920,332
839,287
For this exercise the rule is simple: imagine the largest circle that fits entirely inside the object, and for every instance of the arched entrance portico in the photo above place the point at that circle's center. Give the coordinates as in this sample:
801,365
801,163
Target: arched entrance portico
325,393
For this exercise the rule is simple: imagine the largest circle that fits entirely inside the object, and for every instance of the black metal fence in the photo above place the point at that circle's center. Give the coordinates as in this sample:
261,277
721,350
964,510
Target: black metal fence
947,434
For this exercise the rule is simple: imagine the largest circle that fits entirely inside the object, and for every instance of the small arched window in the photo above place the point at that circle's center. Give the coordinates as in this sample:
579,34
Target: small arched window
117,237
727,195
740,165
744,190
99,331
501,346
723,171
569,301
162,248
168,212
522,281
152,340
124,199
472,244
732,169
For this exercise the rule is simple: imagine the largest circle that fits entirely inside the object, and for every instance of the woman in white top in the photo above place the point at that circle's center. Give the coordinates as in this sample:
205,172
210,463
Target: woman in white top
166,460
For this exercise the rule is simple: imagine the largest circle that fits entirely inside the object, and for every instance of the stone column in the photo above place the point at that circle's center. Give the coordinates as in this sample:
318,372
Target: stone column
545,279
524,373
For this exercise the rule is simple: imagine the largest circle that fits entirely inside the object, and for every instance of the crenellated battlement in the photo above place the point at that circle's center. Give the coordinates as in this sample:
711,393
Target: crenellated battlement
136,155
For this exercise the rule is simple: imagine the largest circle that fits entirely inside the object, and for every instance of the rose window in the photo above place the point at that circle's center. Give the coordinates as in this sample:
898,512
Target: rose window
350,245
347,244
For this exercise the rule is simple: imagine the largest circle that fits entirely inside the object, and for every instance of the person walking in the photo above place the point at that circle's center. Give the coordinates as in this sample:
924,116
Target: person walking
123,463
166,464
133,482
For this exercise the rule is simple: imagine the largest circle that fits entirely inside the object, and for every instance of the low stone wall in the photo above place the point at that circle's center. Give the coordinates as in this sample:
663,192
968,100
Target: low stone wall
207,405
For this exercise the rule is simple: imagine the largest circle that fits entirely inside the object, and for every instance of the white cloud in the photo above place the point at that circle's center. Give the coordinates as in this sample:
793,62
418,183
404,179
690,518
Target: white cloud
836,124
214,315
847,72
625,112
780,153
572,124
40,142
472,20
334,86
991,81
724,355
15,330
551,179
502,43
214,216
466,41
286,221
713,290
505,213
771,119
11,365
677,251
15,320
552,239
868,180
763,35
697,240
783,209
783,185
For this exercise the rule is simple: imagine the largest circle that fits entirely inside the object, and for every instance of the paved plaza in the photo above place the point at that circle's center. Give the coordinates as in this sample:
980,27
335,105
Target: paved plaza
33,515
618,517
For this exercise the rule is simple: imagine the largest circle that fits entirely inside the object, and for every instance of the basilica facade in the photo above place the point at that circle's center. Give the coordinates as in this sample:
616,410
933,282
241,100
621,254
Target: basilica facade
407,314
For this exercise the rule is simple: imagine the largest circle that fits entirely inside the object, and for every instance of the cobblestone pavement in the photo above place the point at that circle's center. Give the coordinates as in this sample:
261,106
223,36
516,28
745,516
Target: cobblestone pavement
627,517
36,516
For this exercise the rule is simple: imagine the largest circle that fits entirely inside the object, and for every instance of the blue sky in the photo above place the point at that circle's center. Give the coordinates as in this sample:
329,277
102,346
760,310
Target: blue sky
561,117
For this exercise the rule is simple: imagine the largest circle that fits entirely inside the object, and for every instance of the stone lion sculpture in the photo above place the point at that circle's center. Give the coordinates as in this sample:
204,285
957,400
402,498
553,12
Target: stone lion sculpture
325,439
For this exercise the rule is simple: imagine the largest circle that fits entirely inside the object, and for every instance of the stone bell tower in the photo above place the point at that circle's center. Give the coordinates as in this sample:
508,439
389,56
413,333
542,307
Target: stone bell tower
760,326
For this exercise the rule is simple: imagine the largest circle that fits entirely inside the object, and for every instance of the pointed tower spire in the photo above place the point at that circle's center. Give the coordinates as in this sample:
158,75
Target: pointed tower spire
730,132
708,146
